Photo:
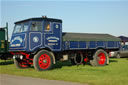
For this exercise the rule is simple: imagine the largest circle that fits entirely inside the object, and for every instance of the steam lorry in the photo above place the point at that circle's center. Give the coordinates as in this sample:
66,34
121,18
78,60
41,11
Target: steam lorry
40,42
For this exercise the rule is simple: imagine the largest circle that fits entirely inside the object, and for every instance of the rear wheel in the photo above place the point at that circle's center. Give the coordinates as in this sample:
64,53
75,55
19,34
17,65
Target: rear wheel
43,60
20,63
100,58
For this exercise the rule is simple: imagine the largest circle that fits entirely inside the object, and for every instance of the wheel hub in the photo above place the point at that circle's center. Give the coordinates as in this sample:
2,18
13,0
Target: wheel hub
44,61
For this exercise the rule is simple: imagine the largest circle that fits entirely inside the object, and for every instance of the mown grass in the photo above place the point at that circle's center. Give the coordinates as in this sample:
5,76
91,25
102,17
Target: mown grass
116,73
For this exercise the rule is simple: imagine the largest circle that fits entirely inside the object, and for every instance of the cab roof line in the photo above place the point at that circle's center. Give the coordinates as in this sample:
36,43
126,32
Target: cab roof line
40,19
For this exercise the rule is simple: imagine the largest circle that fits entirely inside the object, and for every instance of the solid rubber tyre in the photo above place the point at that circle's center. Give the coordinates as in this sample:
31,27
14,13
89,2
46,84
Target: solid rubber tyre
43,60
92,63
100,58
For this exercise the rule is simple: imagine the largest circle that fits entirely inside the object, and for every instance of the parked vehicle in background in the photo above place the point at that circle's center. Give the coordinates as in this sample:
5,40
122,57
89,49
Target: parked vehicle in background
123,52
40,42
4,44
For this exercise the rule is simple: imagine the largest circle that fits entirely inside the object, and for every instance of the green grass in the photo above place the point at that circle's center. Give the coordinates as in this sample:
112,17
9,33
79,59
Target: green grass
116,73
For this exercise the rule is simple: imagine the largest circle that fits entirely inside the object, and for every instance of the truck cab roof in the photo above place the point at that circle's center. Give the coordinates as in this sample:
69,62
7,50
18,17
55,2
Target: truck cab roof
40,19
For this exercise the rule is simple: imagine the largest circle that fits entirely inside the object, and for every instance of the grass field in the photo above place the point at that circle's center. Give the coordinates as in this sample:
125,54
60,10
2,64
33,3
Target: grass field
116,73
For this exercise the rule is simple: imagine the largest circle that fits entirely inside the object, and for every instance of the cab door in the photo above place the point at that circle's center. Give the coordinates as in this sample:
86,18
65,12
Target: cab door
35,35
52,35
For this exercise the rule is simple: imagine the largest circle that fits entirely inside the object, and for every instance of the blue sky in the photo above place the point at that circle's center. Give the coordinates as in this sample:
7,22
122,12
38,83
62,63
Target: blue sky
86,16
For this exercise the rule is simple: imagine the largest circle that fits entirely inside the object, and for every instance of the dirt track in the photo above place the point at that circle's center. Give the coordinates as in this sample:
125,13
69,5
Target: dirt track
18,80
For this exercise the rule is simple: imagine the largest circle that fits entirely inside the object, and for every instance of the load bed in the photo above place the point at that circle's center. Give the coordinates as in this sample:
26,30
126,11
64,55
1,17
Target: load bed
88,37
89,41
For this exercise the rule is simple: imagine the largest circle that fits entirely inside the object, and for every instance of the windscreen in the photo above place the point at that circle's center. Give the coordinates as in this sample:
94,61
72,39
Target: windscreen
21,27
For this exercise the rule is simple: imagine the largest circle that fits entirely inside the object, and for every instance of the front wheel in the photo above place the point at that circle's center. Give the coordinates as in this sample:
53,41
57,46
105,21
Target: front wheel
100,58
43,60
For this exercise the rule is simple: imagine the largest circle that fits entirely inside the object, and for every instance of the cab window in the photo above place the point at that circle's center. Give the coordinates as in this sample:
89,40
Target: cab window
25,27
47,26
17,28
22,27
36,26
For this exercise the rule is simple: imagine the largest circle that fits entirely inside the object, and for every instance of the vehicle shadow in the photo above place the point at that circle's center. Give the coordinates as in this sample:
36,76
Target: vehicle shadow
112,61
6,62
60,64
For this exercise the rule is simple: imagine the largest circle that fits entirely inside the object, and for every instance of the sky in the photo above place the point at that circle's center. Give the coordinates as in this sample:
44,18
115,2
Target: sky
83,16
